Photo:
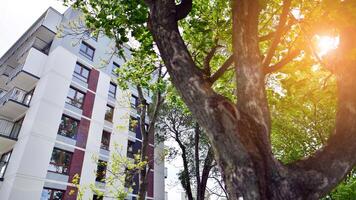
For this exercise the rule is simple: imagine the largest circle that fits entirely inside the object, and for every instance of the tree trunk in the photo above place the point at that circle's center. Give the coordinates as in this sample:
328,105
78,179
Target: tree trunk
197,159
146,133
185,176
208,165
144,149
239,133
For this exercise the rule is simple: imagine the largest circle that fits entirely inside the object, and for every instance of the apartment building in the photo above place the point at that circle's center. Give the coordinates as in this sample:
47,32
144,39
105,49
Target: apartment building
60,109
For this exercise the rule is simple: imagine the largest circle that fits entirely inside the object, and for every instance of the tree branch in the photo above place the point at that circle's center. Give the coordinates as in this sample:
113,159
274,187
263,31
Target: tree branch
278,34
273,34
208,165
183,9
222,69
209,56
221,185
289,57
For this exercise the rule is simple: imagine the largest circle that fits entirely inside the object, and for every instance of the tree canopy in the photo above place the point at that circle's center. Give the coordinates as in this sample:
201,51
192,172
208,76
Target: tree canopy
242,67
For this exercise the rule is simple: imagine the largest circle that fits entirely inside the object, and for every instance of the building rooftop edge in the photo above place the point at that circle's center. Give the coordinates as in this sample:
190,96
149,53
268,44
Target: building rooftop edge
4,57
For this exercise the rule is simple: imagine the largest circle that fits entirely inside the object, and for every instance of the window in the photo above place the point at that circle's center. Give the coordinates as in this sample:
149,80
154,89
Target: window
86,50
75,97
112,90
105,140
27,98
16,128
4,161
81,72
101,171
114,69
133,123
52,194
109,113
134,101
68,127
130,149
96,197
60,161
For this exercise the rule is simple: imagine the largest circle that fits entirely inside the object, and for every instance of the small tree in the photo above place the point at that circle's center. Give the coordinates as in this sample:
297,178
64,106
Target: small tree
177,124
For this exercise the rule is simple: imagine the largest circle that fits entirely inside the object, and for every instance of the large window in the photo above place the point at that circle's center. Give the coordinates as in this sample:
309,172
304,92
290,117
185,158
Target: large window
130,149
68,127
4,161
109,114
60,161
75,98
112,90
134,101
87,51
52,194
105,140
115,68
101,171
81,72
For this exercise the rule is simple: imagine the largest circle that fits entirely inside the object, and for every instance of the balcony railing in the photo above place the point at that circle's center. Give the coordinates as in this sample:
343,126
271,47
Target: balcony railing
14,72
16,95
7,129
2,93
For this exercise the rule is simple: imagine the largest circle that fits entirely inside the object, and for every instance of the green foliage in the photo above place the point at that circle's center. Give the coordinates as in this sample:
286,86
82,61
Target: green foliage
303,115
118,177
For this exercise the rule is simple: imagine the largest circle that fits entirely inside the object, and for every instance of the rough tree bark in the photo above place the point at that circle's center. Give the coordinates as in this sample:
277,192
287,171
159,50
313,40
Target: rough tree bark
239,133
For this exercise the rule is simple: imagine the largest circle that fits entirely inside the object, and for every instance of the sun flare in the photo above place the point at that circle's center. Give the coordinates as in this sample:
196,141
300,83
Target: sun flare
325,44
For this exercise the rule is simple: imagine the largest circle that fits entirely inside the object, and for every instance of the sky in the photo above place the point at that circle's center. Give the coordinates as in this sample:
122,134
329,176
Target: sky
16,16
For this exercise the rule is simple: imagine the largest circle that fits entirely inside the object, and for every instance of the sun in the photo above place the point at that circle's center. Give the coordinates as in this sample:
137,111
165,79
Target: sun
325,44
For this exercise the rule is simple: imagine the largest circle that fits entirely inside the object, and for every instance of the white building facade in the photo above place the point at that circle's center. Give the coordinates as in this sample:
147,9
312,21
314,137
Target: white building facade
60,109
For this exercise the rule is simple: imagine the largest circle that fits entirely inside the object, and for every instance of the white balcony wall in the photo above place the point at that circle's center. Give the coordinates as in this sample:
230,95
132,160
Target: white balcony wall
34,62
52,20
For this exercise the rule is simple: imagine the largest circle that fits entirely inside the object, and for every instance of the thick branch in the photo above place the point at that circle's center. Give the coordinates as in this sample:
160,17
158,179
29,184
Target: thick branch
222,69
279,33
183,9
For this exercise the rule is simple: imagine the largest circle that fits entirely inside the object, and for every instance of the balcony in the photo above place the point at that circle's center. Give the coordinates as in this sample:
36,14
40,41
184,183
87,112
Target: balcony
8,134
26,74
14,103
